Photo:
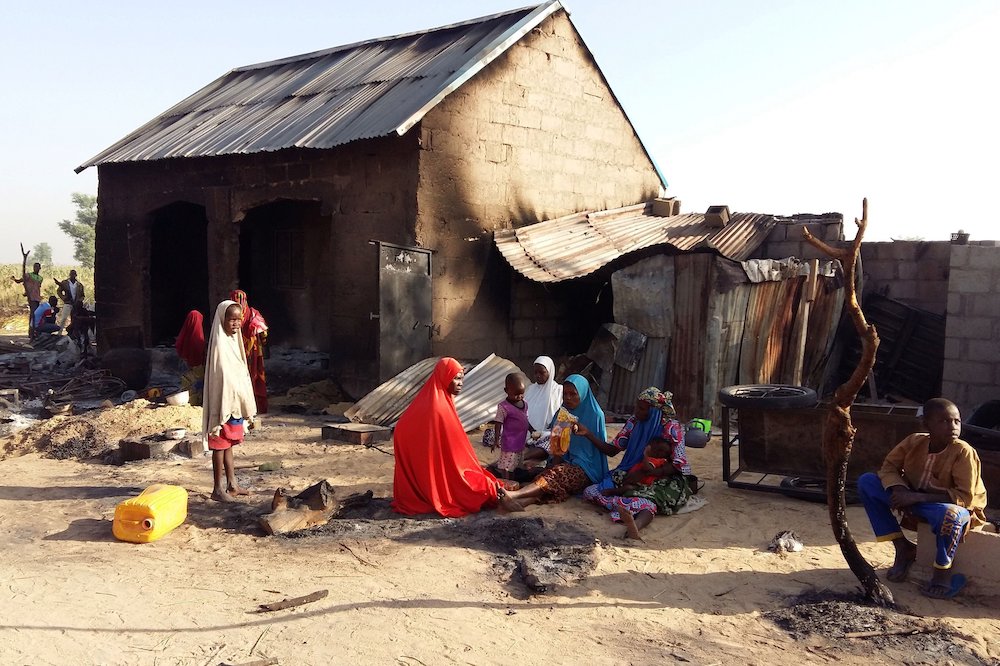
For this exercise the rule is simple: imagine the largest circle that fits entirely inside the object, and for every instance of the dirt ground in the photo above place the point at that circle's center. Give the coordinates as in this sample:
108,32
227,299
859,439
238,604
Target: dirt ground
702,589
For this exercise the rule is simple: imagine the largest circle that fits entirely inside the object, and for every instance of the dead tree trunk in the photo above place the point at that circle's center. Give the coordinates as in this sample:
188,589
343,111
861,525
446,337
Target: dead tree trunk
838,431
23,279
24,269
313,506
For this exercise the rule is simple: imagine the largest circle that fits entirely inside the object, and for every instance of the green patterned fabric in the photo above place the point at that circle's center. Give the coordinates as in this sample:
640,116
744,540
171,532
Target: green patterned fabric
669,494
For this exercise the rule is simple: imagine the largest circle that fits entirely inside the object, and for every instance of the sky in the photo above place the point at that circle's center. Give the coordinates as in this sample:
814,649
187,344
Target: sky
776,106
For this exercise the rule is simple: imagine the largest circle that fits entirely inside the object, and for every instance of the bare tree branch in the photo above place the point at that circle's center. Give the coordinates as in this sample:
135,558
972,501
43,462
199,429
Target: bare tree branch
838,430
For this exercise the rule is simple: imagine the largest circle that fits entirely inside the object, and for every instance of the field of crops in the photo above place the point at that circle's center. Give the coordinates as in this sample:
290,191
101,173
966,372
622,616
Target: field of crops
12,301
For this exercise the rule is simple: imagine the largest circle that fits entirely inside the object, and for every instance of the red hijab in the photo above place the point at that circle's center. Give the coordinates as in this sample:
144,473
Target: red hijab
436,469
190,344
253,321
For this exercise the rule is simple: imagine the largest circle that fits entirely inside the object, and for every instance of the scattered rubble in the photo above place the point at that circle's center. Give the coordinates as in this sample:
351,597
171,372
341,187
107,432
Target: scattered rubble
94,433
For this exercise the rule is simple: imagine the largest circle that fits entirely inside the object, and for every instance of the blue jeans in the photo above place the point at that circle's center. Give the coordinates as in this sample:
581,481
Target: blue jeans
949,521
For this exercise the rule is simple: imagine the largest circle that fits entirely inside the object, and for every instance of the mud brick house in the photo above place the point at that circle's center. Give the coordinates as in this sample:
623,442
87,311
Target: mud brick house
354,192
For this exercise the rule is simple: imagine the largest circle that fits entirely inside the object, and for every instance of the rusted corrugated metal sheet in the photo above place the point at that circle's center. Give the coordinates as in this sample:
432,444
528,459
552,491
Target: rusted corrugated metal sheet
650,371
482,390
731,309
384,404
579,244
767,354
824,319
692,293
727,329
632,287
767,330
327,98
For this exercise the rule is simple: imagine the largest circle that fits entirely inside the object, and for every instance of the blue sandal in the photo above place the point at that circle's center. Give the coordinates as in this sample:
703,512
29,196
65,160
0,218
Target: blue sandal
954,586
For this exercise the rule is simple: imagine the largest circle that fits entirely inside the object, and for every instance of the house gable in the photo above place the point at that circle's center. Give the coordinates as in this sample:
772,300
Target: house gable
537,134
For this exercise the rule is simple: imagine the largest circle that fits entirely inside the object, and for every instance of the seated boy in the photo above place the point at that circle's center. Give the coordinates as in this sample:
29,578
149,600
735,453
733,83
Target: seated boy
932,476
45,316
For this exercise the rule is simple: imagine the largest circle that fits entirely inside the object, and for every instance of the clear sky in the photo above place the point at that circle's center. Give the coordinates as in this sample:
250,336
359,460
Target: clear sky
771,106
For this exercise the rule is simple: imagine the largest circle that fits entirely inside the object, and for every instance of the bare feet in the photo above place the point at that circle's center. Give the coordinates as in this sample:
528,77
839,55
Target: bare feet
507,503
236,491
631,529
219,496
906,554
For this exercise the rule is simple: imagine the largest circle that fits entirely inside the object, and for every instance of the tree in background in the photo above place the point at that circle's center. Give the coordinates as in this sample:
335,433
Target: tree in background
82,231
42,253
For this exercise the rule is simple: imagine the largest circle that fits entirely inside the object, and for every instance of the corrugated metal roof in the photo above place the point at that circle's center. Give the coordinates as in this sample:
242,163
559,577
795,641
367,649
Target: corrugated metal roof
327,98
482,390
579,244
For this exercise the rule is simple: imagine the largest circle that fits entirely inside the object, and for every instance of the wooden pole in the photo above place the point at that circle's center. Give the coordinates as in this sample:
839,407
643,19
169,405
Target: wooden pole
802,321
838,431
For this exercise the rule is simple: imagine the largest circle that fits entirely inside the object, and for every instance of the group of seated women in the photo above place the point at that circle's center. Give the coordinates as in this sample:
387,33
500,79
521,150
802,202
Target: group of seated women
437,470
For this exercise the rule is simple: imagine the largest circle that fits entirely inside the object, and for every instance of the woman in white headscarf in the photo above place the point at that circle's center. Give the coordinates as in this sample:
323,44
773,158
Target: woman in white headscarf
228,404
544,397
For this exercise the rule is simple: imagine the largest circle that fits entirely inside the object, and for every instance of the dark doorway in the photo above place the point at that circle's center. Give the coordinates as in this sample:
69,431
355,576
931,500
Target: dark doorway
285,269
178,268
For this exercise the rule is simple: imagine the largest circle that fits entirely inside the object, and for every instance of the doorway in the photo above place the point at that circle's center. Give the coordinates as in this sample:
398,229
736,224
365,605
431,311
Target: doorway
285,269
178,269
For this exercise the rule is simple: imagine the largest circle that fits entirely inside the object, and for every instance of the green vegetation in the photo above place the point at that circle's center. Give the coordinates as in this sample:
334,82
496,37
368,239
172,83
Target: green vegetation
83,230
42,253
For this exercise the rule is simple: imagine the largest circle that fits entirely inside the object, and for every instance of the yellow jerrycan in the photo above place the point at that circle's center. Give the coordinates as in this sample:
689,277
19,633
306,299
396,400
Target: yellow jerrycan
151,515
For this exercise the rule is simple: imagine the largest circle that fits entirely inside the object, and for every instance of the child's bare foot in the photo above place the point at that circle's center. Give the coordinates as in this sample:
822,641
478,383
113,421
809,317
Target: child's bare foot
631,529
906,554
220,496
236,491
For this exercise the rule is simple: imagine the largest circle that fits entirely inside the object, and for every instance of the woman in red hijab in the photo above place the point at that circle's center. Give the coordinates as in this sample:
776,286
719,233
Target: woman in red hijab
190,346
436,469
254,336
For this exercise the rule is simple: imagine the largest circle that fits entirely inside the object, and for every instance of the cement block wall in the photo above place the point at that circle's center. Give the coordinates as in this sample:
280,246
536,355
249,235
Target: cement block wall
972,348
365,191
555,319
536,135
786,239
913,272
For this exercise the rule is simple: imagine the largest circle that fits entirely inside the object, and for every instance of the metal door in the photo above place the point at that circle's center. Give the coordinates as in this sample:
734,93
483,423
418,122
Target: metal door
404,295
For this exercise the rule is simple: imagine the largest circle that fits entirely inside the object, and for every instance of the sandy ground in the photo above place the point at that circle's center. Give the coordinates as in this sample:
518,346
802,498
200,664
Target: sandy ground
696,591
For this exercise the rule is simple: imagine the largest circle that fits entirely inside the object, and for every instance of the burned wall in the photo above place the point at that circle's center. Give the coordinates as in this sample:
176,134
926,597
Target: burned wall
353,194
536,135
555,319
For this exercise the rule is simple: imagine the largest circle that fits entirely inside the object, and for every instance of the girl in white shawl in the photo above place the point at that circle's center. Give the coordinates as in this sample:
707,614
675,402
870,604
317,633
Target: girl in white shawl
228,402
544,397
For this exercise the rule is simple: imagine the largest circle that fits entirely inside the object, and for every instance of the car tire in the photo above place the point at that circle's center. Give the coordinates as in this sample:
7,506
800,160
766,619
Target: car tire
767,396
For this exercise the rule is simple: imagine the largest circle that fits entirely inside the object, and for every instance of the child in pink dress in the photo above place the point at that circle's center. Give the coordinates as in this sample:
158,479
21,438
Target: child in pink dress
511,424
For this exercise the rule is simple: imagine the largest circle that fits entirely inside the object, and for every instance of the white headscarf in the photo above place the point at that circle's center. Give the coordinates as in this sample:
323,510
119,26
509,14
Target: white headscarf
543,399
228,391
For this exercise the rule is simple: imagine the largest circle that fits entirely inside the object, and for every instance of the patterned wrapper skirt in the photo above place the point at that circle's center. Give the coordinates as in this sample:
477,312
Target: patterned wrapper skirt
666,497
561,481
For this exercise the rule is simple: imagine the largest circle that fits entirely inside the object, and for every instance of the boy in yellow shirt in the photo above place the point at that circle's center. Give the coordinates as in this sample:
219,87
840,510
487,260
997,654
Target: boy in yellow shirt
932,476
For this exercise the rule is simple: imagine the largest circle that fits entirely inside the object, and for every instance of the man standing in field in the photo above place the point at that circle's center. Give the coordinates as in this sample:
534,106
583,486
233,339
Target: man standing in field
71,292
33,291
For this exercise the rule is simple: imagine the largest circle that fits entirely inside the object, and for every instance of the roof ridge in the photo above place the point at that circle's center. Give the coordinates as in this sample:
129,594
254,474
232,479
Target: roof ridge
315,55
